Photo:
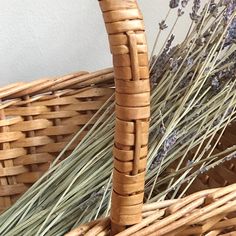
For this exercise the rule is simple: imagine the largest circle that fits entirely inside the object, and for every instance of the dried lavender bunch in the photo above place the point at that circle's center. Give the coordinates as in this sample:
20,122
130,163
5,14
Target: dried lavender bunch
218,73
162,60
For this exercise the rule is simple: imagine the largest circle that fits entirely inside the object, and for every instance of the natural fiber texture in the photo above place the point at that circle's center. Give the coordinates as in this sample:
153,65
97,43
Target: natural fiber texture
221,175
210,212
38,119
124,24
77,190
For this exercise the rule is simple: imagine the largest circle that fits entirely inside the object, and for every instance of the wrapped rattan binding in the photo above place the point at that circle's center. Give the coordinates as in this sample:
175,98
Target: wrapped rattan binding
125,28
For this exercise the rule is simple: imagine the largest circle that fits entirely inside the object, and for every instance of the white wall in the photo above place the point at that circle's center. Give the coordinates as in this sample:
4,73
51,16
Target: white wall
54,37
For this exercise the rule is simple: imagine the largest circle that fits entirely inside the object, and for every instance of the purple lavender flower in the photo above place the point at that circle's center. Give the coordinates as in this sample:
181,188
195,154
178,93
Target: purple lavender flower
194,14
170,141
185,81
189,61
168,144
174,63
189,162
174,3
200,41
231,34
161,60
158,159
163,25
213,8
215,84
184,3
162,129
230,8
92,199
180,12
196,5
204,169
169,43
232,29
226,2
194,17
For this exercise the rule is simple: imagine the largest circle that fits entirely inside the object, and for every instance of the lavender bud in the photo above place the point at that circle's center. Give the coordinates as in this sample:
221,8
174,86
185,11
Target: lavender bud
162,25
230,8
162,129
184,3
169,43
180,12
217,121
215,84
174,65
194,16
226,2
158,159
231,35
213,8
170,141
174,3
229,111
189,61
196,5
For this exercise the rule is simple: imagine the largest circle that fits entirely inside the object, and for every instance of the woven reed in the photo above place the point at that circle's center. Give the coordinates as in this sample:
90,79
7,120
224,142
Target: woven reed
38,119
209,212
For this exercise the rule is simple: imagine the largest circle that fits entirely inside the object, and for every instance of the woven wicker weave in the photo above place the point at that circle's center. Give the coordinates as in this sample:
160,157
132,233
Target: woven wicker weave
210,212
38,119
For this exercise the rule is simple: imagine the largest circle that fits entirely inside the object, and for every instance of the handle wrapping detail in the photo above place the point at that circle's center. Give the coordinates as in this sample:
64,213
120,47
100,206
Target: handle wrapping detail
125,28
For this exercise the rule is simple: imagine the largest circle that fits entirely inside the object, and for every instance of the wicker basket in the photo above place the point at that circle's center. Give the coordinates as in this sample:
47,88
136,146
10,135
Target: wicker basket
39,118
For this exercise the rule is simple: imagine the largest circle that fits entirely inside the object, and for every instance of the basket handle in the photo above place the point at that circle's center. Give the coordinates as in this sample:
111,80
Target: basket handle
125,28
